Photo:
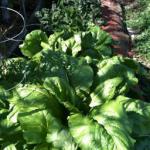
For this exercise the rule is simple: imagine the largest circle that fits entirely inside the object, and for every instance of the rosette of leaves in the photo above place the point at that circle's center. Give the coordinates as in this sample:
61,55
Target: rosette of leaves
94,43
65,103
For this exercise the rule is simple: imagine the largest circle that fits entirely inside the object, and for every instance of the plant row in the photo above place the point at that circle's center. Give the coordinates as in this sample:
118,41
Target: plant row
68,92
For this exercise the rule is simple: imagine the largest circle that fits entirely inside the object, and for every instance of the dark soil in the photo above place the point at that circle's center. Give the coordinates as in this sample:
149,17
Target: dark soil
15,26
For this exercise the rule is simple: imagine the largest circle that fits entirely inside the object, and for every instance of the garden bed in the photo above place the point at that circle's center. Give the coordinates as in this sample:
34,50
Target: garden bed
70,89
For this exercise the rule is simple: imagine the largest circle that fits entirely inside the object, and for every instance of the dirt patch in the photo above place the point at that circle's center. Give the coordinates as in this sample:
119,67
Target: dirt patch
10,32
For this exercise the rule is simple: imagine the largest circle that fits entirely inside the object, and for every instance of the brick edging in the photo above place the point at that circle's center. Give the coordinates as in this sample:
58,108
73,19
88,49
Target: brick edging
112,14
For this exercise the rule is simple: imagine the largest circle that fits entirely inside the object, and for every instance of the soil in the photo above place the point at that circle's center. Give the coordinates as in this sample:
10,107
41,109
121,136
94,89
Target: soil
8,32
14,27
11,29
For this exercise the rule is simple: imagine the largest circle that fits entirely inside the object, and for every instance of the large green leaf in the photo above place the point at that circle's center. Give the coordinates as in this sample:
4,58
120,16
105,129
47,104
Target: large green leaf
96,43
138,113
54,41
39,127
113,78
81,78
91,135
62,91
9,128
62,140
102,41
37,124
10,147
115,67
32,43
88,134
112,116
36,97
10,131
72,45
105,91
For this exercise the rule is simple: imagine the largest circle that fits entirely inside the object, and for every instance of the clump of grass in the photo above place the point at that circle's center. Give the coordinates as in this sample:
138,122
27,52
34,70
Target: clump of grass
139,18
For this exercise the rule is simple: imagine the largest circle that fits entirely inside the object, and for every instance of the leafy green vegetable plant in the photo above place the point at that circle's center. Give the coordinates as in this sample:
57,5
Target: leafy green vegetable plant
69,15
62,101
70,92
